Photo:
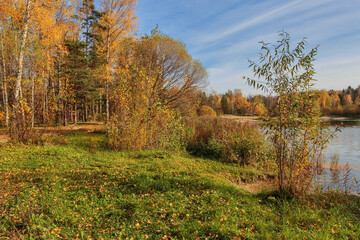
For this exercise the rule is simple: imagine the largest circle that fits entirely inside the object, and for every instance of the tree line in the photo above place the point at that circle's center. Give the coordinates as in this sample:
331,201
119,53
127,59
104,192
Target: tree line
330,102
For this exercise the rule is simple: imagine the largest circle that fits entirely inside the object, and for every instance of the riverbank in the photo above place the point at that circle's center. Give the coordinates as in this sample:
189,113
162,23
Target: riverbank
256,119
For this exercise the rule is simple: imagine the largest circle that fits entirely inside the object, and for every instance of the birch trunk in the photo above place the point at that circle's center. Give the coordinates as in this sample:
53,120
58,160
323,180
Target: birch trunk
16,131
22,50
5,92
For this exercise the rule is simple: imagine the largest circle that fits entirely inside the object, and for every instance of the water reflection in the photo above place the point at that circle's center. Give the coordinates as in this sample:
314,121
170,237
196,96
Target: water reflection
347,146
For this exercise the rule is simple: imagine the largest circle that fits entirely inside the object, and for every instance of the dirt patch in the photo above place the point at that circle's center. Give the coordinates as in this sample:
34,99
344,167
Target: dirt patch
258,187
4,138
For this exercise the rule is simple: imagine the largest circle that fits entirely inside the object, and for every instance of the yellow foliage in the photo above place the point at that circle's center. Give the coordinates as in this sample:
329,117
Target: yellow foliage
206,111
347,100
2,117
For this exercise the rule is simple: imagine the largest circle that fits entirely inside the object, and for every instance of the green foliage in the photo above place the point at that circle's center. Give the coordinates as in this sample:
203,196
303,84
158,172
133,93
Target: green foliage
77,71
66,191
227,140
225,105
213,149
297,133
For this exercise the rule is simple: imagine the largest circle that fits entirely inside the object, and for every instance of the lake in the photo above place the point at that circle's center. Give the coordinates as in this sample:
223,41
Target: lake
347,145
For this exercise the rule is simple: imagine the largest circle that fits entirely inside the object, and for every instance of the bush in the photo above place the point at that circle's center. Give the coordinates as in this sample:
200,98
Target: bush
206,111
136,131
227,140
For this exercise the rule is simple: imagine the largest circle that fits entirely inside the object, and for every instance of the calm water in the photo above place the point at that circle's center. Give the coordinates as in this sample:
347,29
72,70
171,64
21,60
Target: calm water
347,145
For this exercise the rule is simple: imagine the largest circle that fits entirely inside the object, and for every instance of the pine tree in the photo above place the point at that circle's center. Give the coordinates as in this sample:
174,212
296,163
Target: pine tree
79,85
225,106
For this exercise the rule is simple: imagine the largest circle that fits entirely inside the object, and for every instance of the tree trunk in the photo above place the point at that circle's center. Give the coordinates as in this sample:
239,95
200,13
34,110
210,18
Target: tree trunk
22,106
75,114
108,75
22,51
32,103
17,90
61,104
44,101
65,112
5,93
100,105
93,110
86,111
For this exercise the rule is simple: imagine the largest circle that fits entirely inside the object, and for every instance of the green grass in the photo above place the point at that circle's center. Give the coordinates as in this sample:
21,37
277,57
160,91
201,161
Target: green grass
82,190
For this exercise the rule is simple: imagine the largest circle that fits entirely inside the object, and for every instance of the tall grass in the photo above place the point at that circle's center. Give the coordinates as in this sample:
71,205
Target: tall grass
228,140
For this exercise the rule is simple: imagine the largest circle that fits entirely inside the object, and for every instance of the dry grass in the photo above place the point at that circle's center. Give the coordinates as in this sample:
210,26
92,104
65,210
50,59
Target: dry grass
48,131
243,119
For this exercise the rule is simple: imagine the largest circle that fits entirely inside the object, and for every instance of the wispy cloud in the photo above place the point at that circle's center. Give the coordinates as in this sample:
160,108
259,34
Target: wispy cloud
287,9
223,35
248,23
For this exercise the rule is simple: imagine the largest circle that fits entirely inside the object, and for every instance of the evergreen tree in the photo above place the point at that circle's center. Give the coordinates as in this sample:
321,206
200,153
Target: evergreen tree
225,106
79,85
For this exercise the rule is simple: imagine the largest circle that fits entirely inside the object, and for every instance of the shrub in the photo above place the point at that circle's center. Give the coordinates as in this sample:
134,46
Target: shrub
138,131
297,133
227,140
206,111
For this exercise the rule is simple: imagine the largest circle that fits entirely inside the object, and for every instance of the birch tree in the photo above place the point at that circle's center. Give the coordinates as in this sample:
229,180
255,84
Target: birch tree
118,20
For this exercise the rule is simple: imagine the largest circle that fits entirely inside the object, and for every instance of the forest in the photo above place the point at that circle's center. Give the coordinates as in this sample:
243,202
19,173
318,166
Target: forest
65,61
108,133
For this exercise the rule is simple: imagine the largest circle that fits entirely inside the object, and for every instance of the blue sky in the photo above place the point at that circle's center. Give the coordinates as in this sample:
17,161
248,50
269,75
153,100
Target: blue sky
224,34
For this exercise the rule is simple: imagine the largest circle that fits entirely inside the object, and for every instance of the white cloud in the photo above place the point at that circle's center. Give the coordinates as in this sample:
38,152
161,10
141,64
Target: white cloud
288,9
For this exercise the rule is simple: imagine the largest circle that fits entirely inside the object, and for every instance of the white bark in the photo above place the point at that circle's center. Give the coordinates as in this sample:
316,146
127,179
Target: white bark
22,51
5,92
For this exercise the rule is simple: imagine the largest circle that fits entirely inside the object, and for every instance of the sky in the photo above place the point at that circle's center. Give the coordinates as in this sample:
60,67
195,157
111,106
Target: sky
224,34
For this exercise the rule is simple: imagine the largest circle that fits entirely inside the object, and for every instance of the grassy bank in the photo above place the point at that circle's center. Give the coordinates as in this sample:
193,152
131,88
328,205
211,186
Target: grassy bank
79,189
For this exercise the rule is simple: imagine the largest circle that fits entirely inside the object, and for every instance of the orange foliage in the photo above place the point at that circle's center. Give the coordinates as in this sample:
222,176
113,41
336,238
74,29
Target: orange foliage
347,100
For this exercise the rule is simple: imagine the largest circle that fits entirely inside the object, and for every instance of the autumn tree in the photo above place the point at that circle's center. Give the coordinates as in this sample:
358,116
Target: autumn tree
117,21
357,100
175,72
241,104
347,100
154,73
258,106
